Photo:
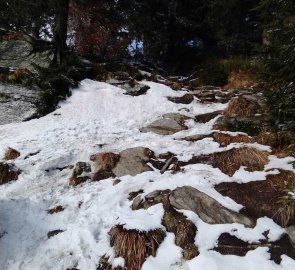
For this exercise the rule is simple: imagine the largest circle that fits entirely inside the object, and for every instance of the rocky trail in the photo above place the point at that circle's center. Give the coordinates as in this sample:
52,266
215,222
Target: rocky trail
146,177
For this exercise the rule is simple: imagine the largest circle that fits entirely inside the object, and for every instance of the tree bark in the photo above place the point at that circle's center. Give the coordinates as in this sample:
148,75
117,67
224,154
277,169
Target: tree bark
61,28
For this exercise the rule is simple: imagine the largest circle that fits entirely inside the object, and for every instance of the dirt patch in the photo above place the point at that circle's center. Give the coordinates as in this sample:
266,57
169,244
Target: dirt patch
135,246
231,245
263,198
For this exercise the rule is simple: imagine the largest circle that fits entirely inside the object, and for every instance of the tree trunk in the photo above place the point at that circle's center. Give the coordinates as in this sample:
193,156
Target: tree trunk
61,28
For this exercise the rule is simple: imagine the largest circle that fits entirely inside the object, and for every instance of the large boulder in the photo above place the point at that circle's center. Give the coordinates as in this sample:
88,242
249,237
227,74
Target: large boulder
133,161
21,53
17,103
170,123
208,209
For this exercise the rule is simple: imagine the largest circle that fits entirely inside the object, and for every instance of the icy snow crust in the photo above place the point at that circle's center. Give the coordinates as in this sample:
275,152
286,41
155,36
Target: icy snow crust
97,118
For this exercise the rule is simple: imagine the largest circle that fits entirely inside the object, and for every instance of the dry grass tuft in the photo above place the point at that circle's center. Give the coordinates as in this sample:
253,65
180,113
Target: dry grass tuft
241,79
230,161
225,139
8,172
242,106
286,211
135,246
11,154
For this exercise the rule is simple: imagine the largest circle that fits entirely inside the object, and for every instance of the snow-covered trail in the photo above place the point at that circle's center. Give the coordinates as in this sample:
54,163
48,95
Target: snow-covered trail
98,118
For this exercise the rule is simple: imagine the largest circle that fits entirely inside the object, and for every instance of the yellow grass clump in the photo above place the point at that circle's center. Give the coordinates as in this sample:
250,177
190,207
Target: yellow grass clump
230,161
11,154
135,246
225,139
241,106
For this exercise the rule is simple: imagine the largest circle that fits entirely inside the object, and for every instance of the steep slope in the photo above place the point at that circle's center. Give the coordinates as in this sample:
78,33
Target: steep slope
100,118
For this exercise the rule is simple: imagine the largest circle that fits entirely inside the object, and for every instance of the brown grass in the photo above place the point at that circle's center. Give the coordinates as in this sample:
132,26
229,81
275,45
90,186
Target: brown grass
241,79
230,161
135,246
283,183
105,161
11,154
225,139
241,106
8,172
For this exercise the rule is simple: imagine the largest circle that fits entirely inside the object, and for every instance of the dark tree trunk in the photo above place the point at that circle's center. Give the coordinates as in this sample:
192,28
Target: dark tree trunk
61,28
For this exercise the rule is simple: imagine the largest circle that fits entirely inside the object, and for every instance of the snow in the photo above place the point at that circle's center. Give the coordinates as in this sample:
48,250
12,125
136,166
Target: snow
98,118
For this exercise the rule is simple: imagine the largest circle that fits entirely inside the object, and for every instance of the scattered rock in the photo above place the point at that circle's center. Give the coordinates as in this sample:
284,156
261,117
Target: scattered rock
167,125
208,209
206,117
186,99
195,138
55,210
133,161
53,233
8,172
116,182
11,154
133,88
153,198
81,173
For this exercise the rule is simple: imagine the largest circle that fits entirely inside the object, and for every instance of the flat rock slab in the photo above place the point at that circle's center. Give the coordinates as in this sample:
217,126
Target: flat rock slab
208,209
206,117
17,103
133,161
169,124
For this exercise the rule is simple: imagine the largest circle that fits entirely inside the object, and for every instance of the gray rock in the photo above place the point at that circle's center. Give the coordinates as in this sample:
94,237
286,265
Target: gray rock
167,125
291,232
203,118
208,209
21,54
17,103
133,161
135,90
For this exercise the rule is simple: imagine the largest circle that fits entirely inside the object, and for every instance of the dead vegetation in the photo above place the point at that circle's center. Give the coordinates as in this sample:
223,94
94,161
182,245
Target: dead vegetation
184,231
225,139
135,246
243,106
269,198
8,172
241,79
230,161
11,154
